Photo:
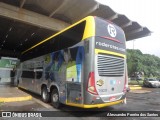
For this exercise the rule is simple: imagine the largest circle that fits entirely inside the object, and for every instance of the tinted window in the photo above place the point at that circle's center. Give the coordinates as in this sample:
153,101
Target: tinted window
28,74
38,75
64,40
152,79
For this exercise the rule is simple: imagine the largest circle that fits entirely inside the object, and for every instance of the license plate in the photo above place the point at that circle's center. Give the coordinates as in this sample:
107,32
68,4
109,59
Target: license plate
112,98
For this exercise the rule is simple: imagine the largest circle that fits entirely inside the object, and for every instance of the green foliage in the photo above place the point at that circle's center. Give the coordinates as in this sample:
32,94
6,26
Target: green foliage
134,82
139,62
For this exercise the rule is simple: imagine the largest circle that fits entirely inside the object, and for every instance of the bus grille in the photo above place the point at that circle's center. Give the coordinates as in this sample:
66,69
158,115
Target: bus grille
110,66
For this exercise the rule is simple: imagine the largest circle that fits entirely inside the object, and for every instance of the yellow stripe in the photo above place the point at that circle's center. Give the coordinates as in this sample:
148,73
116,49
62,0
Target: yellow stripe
15,99
89,28
135,88
88,32
21,87
95,105
109,52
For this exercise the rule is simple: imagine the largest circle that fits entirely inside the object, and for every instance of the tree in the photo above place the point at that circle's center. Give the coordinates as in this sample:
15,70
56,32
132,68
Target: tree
139,62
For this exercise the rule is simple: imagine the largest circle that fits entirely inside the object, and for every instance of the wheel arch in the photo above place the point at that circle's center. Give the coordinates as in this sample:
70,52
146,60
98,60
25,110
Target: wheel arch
43,85
53,87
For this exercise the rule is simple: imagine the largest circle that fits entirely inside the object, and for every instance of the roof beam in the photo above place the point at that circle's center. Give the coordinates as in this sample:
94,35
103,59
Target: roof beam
22,3
60,7
32,18
89,11
135,31
126,24
113,17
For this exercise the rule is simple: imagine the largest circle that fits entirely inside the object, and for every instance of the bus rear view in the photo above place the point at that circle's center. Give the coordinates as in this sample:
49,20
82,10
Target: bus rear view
105,66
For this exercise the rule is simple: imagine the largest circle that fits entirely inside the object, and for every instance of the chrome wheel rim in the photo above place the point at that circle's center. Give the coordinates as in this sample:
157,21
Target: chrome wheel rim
44,94
55,97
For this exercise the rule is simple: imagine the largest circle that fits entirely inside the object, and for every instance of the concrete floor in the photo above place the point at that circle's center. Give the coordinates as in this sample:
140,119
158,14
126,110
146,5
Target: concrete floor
147,99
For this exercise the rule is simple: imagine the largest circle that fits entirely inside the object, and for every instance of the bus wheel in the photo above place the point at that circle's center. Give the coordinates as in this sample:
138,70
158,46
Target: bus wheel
55,98
45,95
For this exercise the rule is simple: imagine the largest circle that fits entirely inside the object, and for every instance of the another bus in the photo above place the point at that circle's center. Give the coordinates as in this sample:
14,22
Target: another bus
83,65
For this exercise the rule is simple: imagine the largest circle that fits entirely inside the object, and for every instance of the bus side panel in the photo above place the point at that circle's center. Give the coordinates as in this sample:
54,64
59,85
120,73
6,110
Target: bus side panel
64,69
73,62
28,74
74,74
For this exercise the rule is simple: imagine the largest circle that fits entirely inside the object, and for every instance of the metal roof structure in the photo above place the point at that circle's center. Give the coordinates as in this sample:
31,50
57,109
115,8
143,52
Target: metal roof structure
24,23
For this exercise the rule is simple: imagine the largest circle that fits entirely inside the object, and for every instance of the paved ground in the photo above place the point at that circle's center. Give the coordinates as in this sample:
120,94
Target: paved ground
12,94
147,99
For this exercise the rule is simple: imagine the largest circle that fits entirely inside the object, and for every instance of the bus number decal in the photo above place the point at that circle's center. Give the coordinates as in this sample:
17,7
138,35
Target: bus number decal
102,90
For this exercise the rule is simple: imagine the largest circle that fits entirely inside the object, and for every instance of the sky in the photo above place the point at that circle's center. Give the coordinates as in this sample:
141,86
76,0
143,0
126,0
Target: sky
146,13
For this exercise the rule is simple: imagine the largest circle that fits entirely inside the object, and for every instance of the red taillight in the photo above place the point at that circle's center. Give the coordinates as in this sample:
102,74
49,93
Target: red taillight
91,84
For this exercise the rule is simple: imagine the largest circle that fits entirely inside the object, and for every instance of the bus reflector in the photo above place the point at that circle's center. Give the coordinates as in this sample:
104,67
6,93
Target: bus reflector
91,84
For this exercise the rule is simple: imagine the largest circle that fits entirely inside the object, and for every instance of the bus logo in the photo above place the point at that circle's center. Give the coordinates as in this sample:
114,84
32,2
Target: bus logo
112,30
100,82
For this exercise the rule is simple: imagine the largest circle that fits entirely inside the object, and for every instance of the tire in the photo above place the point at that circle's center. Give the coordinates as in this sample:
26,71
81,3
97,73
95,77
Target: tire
144,85
150,85
45,95
55,99
18,83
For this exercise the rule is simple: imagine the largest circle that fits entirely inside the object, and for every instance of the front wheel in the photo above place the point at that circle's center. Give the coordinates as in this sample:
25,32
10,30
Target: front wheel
45,95
55,98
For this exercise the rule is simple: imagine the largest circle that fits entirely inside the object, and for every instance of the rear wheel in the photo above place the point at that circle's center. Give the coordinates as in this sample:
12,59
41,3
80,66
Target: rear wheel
45,95
55,99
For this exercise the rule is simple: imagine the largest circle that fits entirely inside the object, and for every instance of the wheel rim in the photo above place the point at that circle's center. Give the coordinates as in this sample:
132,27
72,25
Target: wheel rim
44,94
55,97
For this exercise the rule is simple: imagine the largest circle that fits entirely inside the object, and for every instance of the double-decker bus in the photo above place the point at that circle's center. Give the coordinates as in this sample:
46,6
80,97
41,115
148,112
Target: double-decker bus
83,65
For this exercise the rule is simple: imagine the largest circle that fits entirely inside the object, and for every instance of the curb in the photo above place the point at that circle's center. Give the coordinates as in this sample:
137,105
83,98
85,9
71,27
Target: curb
135,88
15,99
135,85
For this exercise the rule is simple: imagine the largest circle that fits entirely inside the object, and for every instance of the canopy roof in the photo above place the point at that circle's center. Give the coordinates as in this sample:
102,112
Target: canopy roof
24,23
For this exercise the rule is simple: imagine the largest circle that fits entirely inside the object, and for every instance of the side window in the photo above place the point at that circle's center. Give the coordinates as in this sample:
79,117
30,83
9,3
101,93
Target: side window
28,74
38,75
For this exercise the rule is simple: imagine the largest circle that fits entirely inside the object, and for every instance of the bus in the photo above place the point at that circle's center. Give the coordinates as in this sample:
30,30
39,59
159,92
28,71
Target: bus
83,65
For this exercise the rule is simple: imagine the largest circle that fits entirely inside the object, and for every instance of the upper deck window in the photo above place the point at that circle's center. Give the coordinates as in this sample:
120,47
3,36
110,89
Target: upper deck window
63,40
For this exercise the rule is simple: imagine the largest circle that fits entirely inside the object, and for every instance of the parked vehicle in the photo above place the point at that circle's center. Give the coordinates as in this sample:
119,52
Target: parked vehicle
151,82
158,79
139,77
